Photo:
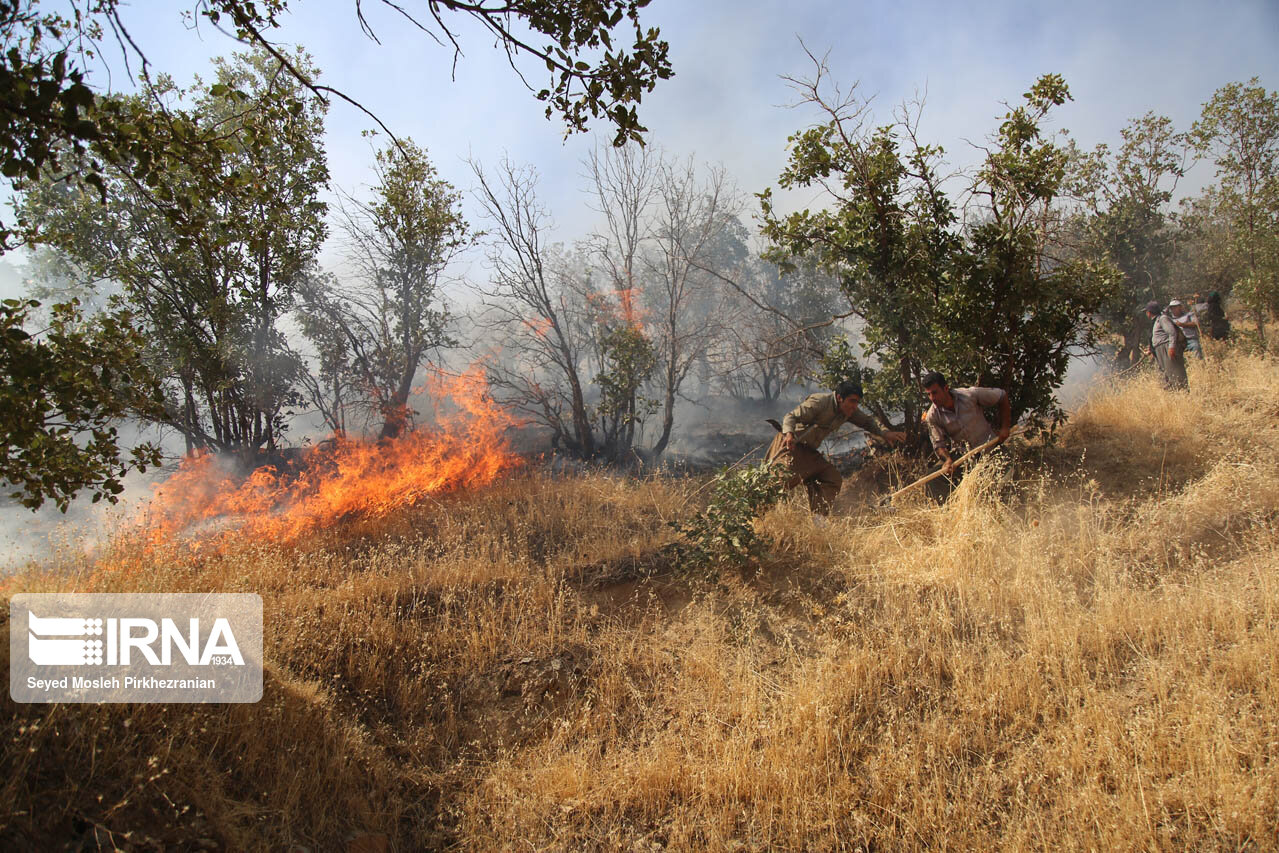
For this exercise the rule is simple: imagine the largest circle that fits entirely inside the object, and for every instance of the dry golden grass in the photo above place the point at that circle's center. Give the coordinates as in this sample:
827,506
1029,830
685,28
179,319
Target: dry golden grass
1086,660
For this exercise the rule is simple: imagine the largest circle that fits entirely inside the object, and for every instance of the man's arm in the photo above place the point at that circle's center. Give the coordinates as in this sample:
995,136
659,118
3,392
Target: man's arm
867,422
997,397
941,444
791,422
805,416
1005,418
805,413
1170,329
948,464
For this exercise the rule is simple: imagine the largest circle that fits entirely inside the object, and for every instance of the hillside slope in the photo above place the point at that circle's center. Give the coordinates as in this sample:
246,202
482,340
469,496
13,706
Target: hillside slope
1086,660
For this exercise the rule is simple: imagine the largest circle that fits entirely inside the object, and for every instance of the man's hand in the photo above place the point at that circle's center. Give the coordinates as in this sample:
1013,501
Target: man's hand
788,440
948,464
1003,434
1172,353
894,436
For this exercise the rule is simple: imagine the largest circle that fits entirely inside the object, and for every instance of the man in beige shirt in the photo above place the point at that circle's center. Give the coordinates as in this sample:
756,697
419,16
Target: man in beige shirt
956,420
803,430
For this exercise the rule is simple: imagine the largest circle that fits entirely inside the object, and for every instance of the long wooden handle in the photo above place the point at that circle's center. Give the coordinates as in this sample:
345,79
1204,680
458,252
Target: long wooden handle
1202,347
928,478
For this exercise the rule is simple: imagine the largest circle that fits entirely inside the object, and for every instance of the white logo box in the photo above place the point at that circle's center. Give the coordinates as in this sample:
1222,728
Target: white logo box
135,647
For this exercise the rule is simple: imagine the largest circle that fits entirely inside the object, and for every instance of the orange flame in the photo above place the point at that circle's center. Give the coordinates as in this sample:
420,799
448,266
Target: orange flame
627,309
344,478
540,326
631,313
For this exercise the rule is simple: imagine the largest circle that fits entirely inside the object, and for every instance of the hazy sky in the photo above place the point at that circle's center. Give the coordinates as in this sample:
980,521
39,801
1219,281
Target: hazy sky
727,102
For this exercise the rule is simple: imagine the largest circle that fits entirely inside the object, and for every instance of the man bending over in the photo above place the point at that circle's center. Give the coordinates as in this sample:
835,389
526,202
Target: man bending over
956,421
806,426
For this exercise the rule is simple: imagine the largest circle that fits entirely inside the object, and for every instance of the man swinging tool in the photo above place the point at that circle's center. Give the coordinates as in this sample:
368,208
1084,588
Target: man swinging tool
956,420
806,426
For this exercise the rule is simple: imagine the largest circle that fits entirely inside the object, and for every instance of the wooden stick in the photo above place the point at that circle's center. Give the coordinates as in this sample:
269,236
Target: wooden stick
1202,349
928,478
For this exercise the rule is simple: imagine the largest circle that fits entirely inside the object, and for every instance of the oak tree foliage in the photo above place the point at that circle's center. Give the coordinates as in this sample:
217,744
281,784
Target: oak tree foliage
375,331
209,253
66,388
977,289
1126,196
1239,132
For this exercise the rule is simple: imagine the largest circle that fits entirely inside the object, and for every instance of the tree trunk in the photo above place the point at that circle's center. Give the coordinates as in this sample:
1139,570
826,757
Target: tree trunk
668,416
582,431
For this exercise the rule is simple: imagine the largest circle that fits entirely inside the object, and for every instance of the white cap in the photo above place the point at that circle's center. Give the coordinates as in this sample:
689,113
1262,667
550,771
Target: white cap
1175,303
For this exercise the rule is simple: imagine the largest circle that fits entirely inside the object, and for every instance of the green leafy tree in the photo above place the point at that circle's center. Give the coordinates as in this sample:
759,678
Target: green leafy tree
1239,131
988,299
628,357
209,256
1205,258
400,243
66,389
625,187
1020,304
888,234
839,363
331,384
49,115
278,168
1126,196
609,85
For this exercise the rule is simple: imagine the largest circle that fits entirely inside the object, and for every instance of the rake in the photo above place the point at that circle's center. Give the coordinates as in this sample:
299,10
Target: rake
928,478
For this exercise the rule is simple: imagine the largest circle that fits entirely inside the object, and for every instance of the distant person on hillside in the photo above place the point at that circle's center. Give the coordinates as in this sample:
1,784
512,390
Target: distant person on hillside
956,423
1188,321
1167,345
1213,319
806,426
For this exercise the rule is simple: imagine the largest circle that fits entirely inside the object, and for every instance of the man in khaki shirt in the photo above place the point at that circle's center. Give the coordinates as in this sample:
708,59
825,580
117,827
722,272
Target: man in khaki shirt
806,426
956,420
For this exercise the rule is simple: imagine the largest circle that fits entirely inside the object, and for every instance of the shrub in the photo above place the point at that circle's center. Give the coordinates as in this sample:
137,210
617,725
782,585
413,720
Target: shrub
724,533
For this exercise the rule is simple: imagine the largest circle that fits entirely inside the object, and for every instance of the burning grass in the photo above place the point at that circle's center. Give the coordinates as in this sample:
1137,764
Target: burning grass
1087,660
341,479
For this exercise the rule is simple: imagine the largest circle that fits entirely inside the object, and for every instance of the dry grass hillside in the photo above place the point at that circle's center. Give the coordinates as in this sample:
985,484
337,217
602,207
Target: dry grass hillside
1088,660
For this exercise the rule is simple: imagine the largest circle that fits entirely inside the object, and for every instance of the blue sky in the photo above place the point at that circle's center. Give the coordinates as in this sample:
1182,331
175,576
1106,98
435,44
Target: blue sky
727,103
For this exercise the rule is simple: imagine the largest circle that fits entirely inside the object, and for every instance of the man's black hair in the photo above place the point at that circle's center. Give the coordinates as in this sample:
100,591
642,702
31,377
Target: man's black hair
847,388
932,378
